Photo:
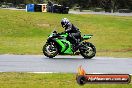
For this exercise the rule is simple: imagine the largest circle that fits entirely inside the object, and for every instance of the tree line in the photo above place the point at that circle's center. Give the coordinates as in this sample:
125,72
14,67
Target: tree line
105,4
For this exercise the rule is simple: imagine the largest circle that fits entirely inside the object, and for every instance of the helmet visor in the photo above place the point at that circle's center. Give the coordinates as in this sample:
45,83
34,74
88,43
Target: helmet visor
63,24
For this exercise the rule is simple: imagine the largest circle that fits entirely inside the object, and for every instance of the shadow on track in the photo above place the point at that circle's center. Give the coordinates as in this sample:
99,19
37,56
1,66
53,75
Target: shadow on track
69,58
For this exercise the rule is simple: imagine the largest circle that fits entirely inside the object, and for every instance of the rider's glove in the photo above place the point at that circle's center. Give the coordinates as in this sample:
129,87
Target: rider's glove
61,33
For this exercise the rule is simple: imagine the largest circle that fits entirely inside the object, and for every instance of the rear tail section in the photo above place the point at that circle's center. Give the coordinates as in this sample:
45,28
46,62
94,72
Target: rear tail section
86,37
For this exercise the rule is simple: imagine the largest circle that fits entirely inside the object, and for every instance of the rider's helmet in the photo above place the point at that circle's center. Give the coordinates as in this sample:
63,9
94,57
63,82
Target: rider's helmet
64,22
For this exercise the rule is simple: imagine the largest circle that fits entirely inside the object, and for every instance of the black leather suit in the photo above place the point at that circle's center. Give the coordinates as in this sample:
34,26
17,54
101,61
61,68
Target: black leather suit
73,32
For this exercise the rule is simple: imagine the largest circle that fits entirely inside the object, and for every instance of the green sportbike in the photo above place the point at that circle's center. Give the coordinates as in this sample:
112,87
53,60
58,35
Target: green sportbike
57,44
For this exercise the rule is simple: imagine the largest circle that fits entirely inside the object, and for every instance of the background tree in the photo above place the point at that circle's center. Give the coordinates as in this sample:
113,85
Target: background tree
108,5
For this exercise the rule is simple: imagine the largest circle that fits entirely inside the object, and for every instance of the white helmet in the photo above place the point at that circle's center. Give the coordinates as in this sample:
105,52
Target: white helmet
64,22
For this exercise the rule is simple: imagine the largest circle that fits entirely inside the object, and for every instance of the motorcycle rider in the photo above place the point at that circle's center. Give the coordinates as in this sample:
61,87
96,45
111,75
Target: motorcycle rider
74,35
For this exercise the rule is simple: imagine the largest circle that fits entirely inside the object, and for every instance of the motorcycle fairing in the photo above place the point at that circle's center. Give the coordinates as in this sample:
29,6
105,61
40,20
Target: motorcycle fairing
65,46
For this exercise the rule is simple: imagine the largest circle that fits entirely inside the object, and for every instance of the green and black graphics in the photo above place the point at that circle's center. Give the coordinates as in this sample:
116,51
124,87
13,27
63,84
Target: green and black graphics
57,44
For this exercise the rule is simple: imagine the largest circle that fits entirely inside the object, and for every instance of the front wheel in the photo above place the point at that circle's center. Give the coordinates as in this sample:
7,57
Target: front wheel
50,50
87,50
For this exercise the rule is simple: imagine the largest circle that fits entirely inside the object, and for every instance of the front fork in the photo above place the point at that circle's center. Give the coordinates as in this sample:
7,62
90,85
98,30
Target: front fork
51,45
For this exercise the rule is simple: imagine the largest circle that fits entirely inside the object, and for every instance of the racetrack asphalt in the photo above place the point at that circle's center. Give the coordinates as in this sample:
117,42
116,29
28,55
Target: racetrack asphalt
64,64
102,13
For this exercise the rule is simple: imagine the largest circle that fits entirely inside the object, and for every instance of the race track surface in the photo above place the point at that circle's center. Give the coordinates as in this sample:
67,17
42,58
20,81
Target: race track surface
40,63
102,13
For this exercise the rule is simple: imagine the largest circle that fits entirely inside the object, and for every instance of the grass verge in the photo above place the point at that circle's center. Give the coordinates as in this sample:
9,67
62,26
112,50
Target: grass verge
57,80
25,33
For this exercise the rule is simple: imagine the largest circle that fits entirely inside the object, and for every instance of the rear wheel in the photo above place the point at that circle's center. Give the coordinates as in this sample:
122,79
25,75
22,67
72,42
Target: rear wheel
50,50
87,50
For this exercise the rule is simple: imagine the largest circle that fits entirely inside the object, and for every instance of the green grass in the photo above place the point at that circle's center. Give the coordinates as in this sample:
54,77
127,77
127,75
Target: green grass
25,33
59,80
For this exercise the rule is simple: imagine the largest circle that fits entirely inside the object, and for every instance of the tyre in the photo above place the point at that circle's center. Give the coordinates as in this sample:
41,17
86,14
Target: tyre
50,50
87,50
81,80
